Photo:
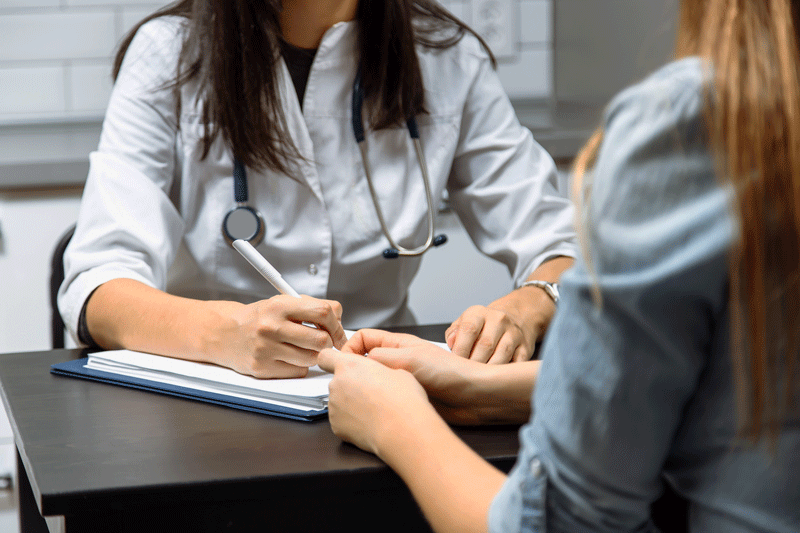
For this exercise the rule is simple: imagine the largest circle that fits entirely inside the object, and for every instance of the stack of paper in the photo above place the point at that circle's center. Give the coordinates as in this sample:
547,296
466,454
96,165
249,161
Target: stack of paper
308,393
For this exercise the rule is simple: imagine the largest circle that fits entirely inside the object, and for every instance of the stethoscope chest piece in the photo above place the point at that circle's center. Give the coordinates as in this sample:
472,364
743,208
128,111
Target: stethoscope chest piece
242,222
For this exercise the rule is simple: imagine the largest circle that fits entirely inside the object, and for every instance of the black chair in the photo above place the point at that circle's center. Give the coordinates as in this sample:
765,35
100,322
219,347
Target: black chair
56,277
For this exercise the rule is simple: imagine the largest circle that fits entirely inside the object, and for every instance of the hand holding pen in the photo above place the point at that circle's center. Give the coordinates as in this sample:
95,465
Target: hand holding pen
296,313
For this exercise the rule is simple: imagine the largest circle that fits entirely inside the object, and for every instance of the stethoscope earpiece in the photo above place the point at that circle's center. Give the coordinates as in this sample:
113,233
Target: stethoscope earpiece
440,239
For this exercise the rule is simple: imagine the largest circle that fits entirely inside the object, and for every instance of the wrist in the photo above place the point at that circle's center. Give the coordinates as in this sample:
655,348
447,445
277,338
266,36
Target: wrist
402,432
215,324
482,387
550,288
530,307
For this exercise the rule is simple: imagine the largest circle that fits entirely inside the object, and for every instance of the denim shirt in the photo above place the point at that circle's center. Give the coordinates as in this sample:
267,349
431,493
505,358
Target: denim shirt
642,393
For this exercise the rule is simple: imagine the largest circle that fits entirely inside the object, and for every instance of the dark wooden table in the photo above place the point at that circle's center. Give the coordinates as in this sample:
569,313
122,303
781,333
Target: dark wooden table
108,458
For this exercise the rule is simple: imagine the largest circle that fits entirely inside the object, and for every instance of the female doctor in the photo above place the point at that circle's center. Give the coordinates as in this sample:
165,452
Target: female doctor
330,128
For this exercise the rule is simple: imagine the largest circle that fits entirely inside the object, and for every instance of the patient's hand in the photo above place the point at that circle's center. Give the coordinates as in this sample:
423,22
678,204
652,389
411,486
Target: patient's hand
458,387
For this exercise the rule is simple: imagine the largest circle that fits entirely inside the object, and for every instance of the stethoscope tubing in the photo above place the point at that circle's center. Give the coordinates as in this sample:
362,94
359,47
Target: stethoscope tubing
241,194
413,130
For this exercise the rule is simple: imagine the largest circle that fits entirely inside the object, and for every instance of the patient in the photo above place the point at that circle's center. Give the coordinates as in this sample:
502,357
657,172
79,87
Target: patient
673,357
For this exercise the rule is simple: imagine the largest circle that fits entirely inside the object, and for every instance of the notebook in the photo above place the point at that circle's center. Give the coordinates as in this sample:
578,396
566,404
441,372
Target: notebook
300,399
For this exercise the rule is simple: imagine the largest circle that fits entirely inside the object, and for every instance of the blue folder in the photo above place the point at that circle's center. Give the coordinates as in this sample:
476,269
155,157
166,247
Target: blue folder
76,369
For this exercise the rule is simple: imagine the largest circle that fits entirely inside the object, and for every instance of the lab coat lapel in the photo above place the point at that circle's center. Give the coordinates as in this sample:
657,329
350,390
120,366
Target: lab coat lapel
334,67
303,171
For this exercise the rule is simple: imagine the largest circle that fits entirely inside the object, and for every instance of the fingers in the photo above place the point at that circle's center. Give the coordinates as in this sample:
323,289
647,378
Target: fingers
337,308
507,347
358,343
338,336
397,358
282,369
449,334
365,340
333,360
487,335
486,343
466,332
299,336
521,354
325,314
279,359
273,369
297,356
327,360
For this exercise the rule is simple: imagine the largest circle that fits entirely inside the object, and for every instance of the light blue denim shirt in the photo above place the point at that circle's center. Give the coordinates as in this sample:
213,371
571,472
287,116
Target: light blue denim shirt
642,393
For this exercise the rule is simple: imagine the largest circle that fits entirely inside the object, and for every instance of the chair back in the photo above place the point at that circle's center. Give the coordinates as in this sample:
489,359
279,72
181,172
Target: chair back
56,277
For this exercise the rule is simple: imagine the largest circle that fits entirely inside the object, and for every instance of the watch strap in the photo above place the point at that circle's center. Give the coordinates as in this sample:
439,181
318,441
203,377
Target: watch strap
550,288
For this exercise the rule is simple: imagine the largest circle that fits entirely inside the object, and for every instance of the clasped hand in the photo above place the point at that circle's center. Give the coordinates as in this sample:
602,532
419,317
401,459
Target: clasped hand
373,396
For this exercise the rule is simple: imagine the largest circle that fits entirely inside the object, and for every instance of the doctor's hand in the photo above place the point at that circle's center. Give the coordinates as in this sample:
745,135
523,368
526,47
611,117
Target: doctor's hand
267,339
489,335
505,331
508,328
370,404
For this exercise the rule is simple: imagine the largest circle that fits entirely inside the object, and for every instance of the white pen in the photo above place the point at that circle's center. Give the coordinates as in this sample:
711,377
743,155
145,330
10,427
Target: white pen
261,264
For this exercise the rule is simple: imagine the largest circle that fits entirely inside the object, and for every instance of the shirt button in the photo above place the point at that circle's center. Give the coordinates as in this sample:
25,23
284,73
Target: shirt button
536,467
312,269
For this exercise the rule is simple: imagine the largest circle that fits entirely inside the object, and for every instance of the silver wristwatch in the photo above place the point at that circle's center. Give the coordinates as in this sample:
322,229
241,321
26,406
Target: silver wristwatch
550,288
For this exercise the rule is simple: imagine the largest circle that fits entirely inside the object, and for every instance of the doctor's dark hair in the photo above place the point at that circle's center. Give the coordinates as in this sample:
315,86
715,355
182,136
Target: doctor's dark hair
231,49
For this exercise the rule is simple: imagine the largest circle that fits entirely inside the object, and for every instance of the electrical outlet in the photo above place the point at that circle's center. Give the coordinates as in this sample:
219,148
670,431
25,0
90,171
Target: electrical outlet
494,21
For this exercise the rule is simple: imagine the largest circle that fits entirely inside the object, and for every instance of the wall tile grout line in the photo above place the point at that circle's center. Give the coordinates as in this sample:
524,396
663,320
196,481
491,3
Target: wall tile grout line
83,35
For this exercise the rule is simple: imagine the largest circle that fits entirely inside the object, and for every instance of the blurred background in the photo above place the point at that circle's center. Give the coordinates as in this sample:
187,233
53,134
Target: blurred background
559,60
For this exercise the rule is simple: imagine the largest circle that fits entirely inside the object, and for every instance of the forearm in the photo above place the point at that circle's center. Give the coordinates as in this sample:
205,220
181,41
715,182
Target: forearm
552,269
453,486
511,386
497,394
125,313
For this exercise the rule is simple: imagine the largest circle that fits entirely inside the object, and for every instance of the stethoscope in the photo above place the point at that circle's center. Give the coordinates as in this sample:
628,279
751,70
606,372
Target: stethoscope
245,222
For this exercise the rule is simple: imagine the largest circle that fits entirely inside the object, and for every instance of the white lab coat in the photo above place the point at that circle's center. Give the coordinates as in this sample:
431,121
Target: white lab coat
152,210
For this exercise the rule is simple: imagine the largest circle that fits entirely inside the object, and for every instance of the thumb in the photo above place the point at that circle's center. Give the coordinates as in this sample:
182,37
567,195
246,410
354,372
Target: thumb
397,358
328,359
331,360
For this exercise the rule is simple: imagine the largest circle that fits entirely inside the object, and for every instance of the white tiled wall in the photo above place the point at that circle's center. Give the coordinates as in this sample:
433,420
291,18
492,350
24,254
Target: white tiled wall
526,71
55,55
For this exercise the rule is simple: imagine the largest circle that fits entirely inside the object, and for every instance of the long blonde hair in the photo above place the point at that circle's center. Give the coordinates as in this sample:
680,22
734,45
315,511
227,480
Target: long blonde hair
753,123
